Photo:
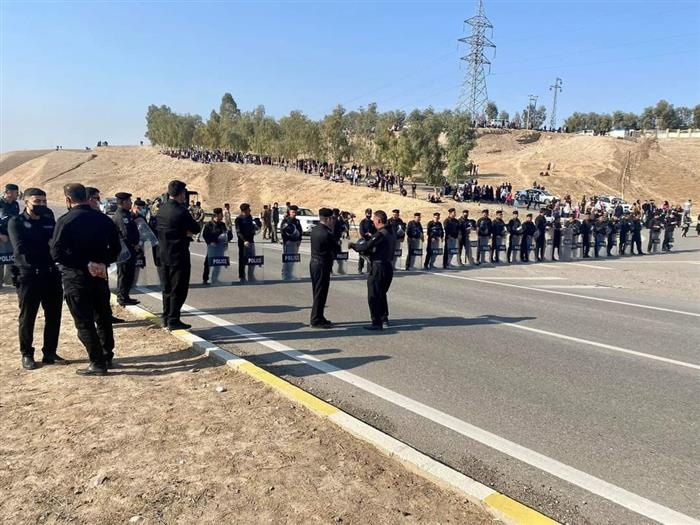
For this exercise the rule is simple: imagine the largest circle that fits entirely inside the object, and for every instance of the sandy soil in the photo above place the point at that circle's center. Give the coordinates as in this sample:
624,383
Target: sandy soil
155,440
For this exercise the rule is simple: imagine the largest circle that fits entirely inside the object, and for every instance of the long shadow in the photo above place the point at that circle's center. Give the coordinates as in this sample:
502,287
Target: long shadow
162,364
262,309
296,331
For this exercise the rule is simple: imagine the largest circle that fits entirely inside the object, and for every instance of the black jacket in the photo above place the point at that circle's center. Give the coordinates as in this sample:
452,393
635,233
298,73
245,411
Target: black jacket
30,240
84,235
291,229
414,230
515,227
483,227
323,244
451,227
435,230
245,228
7,211
529,228
367,227
173,224
128,230
380,247
213,230
398,228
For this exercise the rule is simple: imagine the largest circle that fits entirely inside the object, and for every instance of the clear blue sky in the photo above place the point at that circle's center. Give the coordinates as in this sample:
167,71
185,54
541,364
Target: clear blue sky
73,73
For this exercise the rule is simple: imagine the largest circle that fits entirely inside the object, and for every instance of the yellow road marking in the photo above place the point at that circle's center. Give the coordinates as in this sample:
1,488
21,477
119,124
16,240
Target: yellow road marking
517,511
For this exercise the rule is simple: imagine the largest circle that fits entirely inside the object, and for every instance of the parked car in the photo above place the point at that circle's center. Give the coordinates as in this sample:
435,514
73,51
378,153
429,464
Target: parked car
535,196
109,205
307,219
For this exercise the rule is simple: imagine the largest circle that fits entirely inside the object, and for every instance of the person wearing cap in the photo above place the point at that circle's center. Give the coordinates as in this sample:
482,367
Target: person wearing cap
656,226
466,225
245,231
540,241
9,207
451,227
324,248
636,232
435,235
398,227
498,232
529,230
414,232
367,229
625,227
515,232
129,235
37,279
483,232
85,242
291,239
217,236
175,227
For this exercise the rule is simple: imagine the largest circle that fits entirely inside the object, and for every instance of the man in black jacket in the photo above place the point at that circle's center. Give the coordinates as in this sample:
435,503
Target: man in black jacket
414,232
129,235
636,232
84,244
540,241
498,233
37,279
291,240
515,235
529,230
451,227
324,247
435,235
217,236
367,229
398,228
245,231
9,207
483,231
380,250
175,227
586,231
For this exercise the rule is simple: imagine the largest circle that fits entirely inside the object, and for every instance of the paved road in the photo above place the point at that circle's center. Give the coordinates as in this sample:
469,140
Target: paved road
552,383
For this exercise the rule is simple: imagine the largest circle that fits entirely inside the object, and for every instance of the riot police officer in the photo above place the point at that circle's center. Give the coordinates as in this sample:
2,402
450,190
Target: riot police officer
37,278
451,227
636,231
498,232
84,244
465,227
540,241
435,234
515,233
245,231
129,235
9,207
291,239
324,246
483,231
586,230
367,229
217,236
529,230
414,232
398,227
380,250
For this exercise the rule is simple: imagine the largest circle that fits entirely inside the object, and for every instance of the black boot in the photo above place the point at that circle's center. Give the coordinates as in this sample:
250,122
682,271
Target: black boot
92,370
28,363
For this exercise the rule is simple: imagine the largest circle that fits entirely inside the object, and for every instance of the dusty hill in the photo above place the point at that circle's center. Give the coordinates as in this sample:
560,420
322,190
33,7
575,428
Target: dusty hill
664,170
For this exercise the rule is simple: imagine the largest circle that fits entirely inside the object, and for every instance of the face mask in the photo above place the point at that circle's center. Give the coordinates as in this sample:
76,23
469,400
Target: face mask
40,210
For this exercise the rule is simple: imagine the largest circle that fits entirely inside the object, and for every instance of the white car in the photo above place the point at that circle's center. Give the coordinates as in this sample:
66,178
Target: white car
307,219
608,203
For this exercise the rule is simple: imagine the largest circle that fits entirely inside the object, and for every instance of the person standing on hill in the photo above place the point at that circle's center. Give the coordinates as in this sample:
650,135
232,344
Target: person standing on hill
9,207
175,227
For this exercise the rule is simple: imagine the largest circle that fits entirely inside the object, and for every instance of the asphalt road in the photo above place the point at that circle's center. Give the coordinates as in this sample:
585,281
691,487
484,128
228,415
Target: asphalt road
570,386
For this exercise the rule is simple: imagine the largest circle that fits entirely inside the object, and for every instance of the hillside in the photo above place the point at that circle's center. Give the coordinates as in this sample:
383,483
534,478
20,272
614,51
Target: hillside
664,170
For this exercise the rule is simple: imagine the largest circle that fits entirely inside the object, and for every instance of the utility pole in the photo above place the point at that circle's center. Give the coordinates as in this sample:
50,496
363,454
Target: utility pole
556,87
531,103
474,94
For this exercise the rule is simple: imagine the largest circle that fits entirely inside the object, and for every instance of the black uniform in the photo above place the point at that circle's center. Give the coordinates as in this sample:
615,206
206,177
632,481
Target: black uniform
529,230
556,239
540,243
85,235
324,247
380,249
129,234
586,229
613,228
515,229
625,226
245,229
175,225
414,232
498,229
451,227
37,279
435,231
483,230
636,230
655,227
211,233
367,229
670,222
7,211
465,226
398,228
601,231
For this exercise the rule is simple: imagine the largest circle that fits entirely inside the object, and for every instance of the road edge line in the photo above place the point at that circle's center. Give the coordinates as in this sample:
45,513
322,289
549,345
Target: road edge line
495,503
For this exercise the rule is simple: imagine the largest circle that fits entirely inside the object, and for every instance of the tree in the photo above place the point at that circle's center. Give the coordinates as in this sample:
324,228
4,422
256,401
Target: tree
537,116
461,139
685,116
491,110
696,116
517,121
504,116
297,135
334,136
228,108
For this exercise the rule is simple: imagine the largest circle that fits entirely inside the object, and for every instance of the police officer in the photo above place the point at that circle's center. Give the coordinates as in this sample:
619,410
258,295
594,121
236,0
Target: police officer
655,228
324,247
540,241
498,232
586,230
414,232
380,249
9,207
129,234
636,232
625,226
483,231
556,238
529,230
367,229
463,246
435,234
601,232
613,229
515,234
451,227
84,244
245,231
217,236
671,220
175,227
291,239
398,227
37,278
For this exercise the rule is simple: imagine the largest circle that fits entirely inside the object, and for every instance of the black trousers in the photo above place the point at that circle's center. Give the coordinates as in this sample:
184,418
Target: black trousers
378,283
622,245
539,246
636,241
585,244
125,277
34,291
320,273
205,272
176,285
525,242
88,301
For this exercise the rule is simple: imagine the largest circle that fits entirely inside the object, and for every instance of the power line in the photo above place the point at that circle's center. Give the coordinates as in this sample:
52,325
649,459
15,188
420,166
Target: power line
556,87
474,93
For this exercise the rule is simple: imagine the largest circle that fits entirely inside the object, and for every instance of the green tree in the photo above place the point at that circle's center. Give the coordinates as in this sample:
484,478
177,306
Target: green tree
461,139
334,135
298,134
491,110
696,116
228,108
503,115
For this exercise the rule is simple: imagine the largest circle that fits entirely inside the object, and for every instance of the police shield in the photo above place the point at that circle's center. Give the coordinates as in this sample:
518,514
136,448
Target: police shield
146,274
599,242
414,256
340,264
253,260
217,269
566,243
500,248
549,243
451,250
398,253
483,247
291,261
514,246
434,250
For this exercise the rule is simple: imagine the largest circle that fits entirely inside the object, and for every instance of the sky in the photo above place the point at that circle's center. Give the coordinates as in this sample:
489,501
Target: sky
73,73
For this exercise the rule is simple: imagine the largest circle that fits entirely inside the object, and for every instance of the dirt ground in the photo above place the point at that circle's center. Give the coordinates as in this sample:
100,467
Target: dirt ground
155,443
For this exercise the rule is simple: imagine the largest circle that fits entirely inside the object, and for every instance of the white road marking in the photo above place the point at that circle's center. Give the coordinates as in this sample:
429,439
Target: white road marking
573,286
564,264
569,294
523,278
595,485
